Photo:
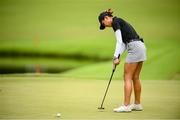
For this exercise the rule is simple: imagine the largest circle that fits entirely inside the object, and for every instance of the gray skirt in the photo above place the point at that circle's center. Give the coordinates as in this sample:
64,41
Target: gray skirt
136,52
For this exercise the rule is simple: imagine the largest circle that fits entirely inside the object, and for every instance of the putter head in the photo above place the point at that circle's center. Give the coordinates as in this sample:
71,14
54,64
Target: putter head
100,108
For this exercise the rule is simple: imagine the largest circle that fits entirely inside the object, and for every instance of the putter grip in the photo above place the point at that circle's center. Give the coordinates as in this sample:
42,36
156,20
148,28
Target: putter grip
114,66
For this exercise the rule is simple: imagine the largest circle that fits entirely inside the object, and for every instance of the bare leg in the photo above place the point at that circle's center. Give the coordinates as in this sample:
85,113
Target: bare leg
137,83
129,70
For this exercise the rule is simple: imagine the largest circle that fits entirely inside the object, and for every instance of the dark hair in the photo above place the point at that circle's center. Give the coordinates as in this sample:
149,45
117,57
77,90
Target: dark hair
108,13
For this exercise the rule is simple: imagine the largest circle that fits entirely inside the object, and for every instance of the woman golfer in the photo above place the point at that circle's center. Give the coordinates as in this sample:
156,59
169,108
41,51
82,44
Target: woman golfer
127,38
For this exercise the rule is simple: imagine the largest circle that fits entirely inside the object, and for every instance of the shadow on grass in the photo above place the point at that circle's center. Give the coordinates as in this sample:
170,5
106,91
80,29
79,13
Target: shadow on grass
16,62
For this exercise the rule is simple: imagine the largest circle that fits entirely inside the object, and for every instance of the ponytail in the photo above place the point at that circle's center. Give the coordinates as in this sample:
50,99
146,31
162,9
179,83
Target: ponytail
110,12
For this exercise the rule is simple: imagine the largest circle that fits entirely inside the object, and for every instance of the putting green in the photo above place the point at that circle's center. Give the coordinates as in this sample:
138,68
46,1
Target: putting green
44,97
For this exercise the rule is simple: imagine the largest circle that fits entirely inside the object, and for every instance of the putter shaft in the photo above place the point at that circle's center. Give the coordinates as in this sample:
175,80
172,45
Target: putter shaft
107,88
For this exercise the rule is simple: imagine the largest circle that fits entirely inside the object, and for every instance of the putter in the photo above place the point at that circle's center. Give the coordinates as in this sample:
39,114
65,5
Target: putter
101,107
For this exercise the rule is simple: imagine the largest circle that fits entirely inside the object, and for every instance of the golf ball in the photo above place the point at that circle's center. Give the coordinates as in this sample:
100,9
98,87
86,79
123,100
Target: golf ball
58,114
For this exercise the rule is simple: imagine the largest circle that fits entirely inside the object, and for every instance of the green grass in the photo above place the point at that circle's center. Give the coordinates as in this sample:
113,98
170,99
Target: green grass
67,27
71,27
162,64
43,97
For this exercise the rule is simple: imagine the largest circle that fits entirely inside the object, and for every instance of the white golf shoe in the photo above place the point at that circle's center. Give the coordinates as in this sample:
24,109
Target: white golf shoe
122,108
136,107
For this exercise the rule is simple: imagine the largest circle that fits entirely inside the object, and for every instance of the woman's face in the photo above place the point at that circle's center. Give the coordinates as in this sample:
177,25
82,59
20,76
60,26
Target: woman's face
107,21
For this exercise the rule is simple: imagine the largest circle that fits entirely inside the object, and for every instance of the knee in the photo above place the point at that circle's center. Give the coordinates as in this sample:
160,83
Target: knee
128,77
136,77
